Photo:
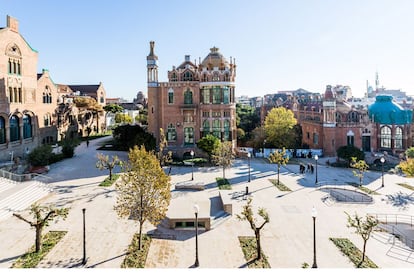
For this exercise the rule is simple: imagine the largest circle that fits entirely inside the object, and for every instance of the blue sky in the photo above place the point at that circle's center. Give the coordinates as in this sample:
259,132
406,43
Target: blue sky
278,45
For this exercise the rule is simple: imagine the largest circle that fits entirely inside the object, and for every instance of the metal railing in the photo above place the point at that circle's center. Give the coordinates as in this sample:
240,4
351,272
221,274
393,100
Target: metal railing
23,177
394,218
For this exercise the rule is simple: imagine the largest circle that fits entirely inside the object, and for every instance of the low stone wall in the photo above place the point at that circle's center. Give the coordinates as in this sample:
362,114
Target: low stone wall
225,198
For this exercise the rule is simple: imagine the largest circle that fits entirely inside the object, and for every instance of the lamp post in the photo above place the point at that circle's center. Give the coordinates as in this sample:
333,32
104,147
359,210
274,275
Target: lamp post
196,210
382,170
84,238
192,165
248,157
314,214
316,165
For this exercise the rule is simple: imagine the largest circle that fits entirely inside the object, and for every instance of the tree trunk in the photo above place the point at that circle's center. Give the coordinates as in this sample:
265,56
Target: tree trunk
38,241
363,251
259,249
278,171
110,174
140,236
224,176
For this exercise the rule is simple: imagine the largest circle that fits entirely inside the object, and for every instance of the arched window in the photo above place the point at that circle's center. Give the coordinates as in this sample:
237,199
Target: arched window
385,137
216,76
2,130
226,130
398,138
14,128
338,117
188,76
205,77
188,97
170,96
350,138
188,135
227,77
174,77
47,95
47,121
27,126
353,117
216,128
171,133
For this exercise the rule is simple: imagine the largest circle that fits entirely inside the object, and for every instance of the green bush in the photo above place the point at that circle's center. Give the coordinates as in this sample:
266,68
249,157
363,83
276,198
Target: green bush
41,156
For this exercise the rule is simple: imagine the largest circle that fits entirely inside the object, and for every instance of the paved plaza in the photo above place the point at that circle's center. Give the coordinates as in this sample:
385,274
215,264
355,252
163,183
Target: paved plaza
287,240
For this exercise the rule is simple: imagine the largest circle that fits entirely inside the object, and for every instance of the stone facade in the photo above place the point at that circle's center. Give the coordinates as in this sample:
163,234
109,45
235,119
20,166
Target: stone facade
197,100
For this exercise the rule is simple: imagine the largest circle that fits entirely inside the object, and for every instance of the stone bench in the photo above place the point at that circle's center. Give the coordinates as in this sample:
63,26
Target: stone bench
225,197
190,185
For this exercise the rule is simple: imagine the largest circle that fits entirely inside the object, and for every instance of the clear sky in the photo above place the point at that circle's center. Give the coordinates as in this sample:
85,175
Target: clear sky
278,44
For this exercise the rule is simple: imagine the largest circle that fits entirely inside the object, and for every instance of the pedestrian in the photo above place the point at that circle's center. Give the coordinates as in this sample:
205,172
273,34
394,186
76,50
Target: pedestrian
308,169
311,166
87,143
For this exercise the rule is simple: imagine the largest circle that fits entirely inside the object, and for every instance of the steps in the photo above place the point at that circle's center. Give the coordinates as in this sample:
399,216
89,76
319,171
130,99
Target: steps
23,198
6,184
219,218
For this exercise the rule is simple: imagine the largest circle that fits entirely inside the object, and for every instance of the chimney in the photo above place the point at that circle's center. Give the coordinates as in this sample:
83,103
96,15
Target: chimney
13,24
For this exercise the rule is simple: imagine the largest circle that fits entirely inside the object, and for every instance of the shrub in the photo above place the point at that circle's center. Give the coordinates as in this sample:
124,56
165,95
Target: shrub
41,156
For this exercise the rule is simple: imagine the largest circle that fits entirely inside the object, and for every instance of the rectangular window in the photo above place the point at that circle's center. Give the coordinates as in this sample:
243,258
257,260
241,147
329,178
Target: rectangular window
307,135
350,140
206,114
227,114
206,95
216,114
315,138
188,135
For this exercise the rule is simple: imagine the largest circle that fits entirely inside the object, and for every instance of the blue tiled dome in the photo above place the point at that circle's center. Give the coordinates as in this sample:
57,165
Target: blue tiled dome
386,111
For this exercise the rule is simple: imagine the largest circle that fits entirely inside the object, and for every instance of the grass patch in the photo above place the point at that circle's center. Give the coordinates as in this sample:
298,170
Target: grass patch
405,185
282,187
108,182
136,258
353,253
248,246
363,188
31,259
223,183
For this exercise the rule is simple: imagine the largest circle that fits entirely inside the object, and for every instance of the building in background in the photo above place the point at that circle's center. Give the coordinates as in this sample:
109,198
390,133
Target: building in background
195,101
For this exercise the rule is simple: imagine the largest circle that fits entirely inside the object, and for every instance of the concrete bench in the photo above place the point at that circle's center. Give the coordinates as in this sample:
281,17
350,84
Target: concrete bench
190,185
225,197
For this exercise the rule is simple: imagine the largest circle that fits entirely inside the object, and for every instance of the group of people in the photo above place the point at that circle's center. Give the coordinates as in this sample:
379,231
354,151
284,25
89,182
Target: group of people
302,168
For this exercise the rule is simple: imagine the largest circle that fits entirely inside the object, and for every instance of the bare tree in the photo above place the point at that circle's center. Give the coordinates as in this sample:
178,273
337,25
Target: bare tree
280,158
363,228
223,155
104,163
42,215
361,167
247,214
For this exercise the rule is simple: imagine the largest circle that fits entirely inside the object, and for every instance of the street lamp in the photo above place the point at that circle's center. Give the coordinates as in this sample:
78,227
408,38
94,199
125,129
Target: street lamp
196,210
84,238
248,157
316,165
192,165
382,170
314,214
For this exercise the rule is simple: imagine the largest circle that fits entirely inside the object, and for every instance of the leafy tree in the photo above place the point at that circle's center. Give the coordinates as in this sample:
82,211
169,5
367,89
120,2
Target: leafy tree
258,138
407,166
41,155
223,155
127,136
207,144
42,215
144,189
348,152
113,108
162,157
68,146
409,153
361,167
104,163
363,228
279,158
121,118
89,105
278,127
247,119
247,214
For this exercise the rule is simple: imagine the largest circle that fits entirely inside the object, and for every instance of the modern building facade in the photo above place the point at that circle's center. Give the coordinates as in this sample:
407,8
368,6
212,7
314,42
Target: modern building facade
195,101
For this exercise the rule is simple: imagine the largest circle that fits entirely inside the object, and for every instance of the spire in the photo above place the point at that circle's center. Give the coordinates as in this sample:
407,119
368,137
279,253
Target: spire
376,81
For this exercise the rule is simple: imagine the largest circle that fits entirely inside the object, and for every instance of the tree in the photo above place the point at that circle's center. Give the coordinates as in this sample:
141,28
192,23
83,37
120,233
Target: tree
42,215
127,136
247,119
104,163
279,158
409,153
407,166
347,152
223,155
162,157
121,118
113,108
207,144
361,167
278,127
144,189
247,214
363,228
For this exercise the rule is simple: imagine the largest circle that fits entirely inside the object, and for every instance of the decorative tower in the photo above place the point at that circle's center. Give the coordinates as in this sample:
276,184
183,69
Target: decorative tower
329,121
153,91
